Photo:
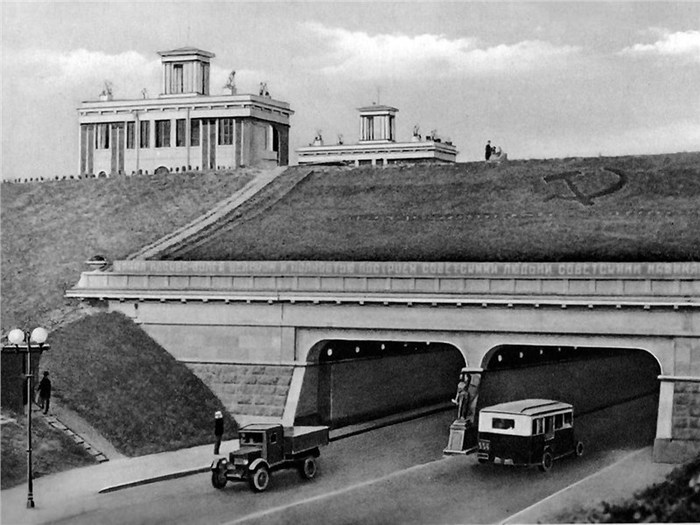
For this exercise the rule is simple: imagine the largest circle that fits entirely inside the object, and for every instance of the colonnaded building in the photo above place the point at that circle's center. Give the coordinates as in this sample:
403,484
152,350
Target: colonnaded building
184,128
378,145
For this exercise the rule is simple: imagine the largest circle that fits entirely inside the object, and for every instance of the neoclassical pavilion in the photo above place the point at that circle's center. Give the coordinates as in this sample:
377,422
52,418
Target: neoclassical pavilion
184,128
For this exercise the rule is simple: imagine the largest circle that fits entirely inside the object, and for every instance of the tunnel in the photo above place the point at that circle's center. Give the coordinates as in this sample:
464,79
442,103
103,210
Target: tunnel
352,381
616,388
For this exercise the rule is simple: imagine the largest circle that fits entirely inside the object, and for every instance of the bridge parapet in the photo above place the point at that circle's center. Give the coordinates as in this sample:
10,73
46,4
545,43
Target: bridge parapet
673,283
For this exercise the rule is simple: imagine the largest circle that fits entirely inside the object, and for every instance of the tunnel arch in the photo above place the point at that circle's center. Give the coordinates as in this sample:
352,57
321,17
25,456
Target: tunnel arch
589,377
349,381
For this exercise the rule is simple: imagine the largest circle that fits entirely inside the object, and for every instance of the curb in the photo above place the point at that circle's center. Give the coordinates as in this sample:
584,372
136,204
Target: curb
155,479
337,434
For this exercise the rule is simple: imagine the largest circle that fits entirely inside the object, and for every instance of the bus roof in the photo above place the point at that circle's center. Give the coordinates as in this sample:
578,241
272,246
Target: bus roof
529,407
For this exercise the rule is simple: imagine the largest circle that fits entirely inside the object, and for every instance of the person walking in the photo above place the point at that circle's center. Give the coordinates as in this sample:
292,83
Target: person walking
488,151
218,430
44,389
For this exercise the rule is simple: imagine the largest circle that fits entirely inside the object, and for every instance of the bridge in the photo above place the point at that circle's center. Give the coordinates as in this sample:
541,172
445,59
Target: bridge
306,340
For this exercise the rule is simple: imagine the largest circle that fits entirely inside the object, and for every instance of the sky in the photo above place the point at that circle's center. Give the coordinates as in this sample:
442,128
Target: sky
539,79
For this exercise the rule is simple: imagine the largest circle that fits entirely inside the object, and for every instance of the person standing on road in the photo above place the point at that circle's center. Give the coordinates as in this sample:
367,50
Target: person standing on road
44,389
218,430
488,151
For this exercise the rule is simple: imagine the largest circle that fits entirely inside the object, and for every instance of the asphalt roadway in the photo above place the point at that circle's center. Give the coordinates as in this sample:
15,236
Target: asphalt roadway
395,474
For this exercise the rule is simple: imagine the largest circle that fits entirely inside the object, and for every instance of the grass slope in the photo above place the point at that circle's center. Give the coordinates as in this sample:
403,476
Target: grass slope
52,450
138,396
50,229
480,212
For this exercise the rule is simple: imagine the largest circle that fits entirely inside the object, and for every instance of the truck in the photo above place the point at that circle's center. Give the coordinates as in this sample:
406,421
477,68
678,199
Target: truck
267,447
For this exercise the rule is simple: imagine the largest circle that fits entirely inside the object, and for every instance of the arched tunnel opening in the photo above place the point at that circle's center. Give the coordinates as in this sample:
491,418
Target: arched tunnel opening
352,381
616,388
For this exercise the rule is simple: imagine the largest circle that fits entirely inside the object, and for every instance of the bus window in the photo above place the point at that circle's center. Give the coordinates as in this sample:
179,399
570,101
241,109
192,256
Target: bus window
558,421
537,426
502,424
568,419
549,424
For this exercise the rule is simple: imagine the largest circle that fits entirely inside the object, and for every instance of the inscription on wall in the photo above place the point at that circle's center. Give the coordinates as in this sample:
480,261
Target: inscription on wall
415,269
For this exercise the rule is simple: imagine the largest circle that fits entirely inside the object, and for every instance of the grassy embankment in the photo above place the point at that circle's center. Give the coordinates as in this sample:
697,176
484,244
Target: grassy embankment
479,212
102,367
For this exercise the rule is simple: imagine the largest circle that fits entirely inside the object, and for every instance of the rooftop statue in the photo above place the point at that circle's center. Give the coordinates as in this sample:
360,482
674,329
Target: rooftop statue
231,82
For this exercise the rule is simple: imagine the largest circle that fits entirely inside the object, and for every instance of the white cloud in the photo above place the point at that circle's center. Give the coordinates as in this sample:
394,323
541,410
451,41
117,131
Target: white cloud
83,72
681,45
356,53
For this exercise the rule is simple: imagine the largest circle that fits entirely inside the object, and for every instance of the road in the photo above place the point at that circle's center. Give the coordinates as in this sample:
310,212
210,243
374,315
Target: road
395,474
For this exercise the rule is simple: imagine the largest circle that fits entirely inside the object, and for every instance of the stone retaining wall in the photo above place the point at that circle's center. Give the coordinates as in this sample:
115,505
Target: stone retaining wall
686,411
251,390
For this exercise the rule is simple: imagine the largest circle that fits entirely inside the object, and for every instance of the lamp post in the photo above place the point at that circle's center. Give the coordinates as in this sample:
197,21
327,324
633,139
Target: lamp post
21,342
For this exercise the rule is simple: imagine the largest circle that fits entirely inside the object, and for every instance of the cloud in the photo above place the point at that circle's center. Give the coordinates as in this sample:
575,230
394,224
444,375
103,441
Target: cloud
684,45
83,72
356,53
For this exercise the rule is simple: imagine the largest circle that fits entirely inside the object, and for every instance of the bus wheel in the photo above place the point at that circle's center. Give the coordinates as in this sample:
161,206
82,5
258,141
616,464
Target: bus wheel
547,461
579,448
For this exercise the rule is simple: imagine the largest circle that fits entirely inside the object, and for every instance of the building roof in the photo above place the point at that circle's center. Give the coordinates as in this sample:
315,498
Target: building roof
377,107
188,50
529,407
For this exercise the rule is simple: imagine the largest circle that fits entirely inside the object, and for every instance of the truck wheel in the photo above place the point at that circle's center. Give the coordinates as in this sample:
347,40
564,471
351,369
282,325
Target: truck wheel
547,461
259,479
308,468
218,477
579,448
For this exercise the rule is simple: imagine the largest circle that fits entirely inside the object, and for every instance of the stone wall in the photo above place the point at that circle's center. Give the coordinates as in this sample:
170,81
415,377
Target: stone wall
686,411
247,390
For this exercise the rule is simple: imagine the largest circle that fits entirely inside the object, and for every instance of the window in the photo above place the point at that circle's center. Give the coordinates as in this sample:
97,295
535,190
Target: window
558,421
370,128
130,130
205,79
225,131
195,126
271,139
177,83
502,424
568,419
273,438
102,136
537,426
180,130
162,133
549,424
250,439
144,134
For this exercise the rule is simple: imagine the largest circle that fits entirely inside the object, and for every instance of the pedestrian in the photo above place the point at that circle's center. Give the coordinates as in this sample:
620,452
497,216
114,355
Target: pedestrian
44,389
488,151
218,430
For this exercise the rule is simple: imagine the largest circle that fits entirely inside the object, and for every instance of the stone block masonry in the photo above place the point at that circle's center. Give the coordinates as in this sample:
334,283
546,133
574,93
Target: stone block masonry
686,411
247,390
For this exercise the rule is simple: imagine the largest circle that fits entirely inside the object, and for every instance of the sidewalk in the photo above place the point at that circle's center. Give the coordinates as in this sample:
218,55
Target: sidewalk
618,481
62,495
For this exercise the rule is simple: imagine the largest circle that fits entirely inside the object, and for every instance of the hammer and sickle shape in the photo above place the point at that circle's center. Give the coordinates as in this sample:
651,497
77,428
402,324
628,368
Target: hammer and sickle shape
578,195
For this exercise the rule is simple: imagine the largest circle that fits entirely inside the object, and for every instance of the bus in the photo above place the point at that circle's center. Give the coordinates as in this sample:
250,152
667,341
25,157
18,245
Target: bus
527,432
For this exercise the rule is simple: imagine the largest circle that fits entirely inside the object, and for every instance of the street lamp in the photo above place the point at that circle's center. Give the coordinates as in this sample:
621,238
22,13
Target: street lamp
21,342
